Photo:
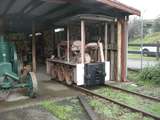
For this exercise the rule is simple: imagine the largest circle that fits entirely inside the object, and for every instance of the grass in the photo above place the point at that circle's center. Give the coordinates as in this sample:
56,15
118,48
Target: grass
131,100
132,75
68,109
150,38
149,75
61,112
138,57
144,87
133,48
110,111
135,77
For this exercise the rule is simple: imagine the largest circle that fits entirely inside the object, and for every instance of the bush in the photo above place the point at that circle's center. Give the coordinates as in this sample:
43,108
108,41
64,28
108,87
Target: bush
150,74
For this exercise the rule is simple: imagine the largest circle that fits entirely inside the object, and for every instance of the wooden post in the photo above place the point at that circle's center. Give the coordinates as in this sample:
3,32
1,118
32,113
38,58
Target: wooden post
112,55
119,41
68,44
52,37
2,26
126,39
33,47
122,49
82,41
54,40
106,41
157,54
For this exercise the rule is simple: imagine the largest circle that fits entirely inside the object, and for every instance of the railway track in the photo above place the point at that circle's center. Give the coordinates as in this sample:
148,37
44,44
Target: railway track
134,93
89,92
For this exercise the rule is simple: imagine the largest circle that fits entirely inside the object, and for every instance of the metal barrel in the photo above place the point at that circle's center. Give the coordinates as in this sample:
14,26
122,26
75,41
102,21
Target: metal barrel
4,50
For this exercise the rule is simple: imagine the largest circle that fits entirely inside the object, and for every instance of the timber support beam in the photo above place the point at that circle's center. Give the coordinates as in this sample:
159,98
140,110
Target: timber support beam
33,47
122,34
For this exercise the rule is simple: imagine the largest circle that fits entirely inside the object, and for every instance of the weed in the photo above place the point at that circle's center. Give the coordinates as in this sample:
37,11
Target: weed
68,109
110,111
62,112
131,100
150,75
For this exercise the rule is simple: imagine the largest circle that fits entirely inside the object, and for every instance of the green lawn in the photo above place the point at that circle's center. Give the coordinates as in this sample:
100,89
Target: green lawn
133,48
138,56
150,38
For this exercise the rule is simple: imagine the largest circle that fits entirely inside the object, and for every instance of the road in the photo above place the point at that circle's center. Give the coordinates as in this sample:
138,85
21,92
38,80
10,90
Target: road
136,64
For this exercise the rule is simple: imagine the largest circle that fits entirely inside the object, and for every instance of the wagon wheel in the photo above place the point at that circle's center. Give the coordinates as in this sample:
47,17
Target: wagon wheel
32,84
53,72
56,72
60,74
69,77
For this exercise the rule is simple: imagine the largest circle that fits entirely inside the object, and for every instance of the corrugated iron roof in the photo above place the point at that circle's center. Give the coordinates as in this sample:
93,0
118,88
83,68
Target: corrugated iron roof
21,13
111,3
121,6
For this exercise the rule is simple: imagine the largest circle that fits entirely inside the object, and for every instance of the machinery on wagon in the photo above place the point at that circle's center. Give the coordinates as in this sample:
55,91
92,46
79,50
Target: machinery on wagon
12,74
81,58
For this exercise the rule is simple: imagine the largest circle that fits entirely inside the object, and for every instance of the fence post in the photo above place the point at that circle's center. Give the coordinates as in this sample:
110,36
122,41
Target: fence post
158,46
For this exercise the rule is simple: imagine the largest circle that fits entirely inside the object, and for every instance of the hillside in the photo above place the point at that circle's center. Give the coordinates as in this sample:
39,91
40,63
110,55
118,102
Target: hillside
151,38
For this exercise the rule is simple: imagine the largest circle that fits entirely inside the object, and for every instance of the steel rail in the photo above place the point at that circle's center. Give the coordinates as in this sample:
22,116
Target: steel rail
89,92
134,93
92,115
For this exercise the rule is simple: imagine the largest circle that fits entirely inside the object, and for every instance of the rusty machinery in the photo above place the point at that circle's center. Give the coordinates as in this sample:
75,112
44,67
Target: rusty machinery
80,61
12,74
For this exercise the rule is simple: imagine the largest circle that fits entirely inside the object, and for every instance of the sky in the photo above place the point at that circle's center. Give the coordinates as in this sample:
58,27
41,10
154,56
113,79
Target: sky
150,9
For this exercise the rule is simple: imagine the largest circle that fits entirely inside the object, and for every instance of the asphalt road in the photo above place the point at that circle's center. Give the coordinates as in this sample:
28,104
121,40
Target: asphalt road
136,64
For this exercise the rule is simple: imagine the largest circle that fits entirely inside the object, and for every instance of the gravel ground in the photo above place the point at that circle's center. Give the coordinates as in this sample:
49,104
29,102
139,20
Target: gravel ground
31,113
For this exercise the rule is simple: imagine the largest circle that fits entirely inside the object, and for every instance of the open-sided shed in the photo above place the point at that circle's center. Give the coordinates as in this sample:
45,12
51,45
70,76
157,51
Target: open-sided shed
38,15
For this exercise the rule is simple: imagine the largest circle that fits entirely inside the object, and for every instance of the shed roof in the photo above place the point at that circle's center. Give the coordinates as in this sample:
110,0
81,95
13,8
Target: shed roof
21,13
121,6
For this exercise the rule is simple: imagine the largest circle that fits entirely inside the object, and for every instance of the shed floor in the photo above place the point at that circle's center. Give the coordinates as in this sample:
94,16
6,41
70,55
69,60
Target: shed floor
48,89
30,113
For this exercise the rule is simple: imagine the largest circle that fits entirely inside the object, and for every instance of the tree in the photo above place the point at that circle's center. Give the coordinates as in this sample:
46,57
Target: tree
134,28
156,25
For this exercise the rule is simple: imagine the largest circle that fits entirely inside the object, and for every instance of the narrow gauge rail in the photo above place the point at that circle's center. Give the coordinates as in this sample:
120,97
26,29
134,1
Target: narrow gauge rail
134,93
89,92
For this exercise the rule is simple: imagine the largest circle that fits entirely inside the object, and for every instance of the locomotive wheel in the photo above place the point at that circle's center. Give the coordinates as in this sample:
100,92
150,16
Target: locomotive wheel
69,78
55,72
69,82
32,84
60,74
